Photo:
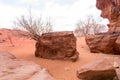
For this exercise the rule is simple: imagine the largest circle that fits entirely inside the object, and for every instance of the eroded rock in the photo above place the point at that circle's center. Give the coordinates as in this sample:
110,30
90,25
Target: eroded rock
117,61
57,45
104,42
108,42
110,10
118,42
17,69
100,69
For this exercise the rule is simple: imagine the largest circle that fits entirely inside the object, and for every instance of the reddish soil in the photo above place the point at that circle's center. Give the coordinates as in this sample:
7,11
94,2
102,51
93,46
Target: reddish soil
24,48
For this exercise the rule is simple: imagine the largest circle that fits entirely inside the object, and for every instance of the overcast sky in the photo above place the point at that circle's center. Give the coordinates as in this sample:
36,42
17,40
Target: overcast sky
64,14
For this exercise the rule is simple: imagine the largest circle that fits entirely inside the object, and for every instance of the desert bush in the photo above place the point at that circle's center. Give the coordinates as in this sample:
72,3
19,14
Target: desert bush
34,26
89,26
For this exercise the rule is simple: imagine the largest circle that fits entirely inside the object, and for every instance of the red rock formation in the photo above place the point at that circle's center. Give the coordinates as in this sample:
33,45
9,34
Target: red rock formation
117,63
105,42
57,45
101,69
118,42
108,42
17,69
110,10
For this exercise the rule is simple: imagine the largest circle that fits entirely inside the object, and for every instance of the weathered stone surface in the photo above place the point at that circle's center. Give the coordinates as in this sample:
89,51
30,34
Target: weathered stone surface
57,45
117,61
108,42
118,42
110,10
17,69
104,42
100,69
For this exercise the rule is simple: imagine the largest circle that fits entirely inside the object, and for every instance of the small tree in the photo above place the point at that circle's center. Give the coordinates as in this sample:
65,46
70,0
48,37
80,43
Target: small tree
34,26
89,26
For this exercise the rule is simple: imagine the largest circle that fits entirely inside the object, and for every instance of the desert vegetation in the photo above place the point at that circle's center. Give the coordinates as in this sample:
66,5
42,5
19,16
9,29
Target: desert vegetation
89,26
66,56
34,26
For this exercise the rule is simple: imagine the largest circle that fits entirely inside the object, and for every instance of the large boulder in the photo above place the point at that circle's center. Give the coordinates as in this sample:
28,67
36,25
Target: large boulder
105,42
12,68
101,69
57,45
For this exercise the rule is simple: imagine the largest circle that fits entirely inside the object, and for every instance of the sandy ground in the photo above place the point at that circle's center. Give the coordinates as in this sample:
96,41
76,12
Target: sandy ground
61,70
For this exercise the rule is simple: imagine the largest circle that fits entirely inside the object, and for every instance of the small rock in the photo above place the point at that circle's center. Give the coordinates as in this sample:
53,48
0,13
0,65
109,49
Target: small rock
67,68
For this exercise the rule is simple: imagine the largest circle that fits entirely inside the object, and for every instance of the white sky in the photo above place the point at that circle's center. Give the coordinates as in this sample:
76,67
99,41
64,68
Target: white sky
64,14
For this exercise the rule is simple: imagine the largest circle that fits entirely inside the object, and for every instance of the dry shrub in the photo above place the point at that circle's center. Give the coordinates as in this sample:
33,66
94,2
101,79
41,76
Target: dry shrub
89,26
34,26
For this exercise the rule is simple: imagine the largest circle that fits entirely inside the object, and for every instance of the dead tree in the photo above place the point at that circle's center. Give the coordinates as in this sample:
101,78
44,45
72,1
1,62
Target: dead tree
89,26
34,26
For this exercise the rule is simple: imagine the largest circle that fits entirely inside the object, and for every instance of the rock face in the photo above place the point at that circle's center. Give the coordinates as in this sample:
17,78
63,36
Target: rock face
100,69
108,42
118,42
105,42
57,45
117,62
17,69
110,10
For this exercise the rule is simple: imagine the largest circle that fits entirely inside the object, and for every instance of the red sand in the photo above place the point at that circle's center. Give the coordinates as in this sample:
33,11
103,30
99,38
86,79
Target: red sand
61,70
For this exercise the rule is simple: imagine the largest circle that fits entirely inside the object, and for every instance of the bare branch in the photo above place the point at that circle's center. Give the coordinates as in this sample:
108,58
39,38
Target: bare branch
34,26
89,26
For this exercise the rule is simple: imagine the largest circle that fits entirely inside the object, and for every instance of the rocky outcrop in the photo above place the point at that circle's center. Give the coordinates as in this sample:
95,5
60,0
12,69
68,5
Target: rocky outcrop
100,69
17,69
105,42
117,64
110,10
108,42
57,45
118,42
